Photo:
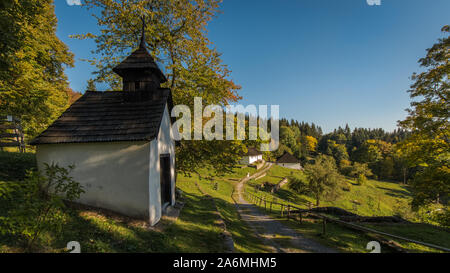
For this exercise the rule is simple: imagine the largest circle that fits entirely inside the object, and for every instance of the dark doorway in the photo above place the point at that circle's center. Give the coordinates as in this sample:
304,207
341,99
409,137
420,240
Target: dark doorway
166,185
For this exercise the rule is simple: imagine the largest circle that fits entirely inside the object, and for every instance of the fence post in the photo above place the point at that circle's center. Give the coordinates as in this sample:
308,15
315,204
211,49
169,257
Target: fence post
265,207
289,211
271,206
324,226
301,220
282,210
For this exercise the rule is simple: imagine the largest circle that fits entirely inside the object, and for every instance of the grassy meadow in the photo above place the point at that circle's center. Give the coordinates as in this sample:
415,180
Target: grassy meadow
102,231
196,229
374,198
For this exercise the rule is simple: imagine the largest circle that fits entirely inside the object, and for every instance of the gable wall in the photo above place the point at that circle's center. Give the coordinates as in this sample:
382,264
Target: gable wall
246,160
113,174
163,144
255,158
296,166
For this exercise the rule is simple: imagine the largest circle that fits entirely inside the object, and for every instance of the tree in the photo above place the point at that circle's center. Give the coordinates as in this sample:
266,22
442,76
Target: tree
73,96
368,152
280,151
32,61
338,151
386,168
176,36
323,178
287,137
311,144
91,85
359,169
401,164
428,147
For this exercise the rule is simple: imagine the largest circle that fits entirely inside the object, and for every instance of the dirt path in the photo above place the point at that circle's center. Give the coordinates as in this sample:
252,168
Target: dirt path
276,235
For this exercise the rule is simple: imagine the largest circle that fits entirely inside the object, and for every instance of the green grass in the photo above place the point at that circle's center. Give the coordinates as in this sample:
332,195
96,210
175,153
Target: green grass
419,232
243,237
336,236
194,231
376,198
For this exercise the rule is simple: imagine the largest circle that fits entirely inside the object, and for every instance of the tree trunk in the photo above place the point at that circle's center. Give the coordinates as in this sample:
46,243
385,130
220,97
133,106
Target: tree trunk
404,175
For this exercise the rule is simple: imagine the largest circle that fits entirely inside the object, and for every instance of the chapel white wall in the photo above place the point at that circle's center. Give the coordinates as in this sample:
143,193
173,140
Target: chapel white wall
295,166
113,174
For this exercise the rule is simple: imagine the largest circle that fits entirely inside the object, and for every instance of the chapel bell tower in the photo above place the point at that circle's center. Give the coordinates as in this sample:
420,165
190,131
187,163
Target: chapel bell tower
139,71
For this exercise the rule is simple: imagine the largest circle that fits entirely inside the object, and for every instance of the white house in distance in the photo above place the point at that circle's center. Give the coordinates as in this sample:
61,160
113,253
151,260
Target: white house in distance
251,156
121,143
289,161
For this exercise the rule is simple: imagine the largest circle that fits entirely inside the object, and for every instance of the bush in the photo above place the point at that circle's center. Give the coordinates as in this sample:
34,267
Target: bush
358,169
298,185
14,166
347,187
36,205
442,217
361,179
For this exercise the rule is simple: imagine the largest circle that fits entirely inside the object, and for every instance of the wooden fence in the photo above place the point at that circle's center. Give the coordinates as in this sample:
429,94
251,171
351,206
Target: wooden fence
291,211
11,134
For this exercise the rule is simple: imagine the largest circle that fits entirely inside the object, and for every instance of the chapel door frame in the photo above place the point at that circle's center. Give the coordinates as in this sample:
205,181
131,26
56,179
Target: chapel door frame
165,179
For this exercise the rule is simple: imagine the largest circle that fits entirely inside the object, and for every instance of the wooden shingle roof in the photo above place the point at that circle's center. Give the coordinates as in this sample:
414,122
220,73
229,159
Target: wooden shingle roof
139,60
108,117
252,152
287,158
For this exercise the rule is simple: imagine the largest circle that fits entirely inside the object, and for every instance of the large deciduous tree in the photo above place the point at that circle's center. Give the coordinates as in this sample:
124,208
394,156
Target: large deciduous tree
428,148
33,85
323,178
176,36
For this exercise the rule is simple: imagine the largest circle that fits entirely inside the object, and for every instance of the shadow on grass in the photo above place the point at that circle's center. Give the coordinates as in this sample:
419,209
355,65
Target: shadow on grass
99,234
396,193
193,232
290,196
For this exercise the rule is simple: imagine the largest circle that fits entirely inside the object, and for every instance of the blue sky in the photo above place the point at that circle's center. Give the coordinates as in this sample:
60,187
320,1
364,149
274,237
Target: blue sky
324,61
